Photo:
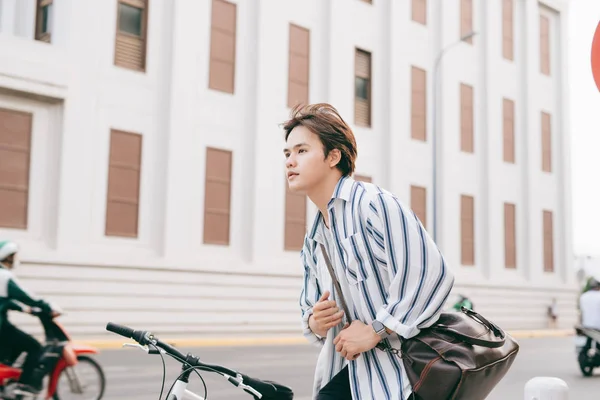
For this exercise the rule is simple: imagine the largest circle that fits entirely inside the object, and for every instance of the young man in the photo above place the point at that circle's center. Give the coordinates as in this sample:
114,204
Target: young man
12,339
392,275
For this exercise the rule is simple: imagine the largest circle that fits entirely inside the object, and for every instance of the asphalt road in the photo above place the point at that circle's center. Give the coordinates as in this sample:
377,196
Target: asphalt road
133,375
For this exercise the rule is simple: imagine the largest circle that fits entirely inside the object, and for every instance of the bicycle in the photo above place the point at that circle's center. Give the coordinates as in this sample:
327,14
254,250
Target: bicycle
149,343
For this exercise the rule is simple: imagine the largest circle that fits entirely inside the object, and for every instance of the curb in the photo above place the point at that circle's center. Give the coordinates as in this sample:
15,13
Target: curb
294,340
541,333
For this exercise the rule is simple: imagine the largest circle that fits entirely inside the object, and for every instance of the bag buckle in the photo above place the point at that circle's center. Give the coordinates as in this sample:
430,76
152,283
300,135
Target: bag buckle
385,346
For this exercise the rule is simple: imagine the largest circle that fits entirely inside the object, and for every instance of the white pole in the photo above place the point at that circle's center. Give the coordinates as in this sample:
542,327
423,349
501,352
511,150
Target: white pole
546,388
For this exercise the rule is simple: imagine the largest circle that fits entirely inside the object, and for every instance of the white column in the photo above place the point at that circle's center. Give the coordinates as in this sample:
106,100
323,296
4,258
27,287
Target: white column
7,16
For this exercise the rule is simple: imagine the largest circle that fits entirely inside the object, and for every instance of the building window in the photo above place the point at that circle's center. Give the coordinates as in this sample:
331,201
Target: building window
130,43
467,230
466,19
508,127
508,29
544,45
418,203
217,196
15,154
43,21
466,119
546,143
418,104
222,46
362,83
299,65
548,242
510,236
123,194
419,11
295,219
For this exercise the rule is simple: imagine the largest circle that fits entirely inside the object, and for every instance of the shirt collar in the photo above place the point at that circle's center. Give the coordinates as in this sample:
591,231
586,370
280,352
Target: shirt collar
342,191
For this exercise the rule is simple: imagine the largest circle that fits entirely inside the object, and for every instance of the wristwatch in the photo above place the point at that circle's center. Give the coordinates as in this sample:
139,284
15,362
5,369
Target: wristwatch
379,329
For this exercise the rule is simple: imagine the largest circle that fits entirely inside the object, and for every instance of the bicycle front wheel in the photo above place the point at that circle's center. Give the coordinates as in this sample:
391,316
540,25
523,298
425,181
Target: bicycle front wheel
83,381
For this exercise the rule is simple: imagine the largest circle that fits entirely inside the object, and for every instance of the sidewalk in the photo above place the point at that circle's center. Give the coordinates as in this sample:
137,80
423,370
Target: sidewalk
291,340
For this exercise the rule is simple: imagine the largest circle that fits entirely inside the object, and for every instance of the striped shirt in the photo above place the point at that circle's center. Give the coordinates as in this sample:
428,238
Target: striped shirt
389,269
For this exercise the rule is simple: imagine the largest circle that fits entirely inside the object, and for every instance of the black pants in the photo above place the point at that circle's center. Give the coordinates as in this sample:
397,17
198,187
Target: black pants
339,388
17,341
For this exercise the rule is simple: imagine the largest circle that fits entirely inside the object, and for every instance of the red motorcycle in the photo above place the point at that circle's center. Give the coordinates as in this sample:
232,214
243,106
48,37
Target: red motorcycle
69,370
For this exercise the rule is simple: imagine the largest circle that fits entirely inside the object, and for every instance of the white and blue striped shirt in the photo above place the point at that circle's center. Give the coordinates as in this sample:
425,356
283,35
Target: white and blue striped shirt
389,269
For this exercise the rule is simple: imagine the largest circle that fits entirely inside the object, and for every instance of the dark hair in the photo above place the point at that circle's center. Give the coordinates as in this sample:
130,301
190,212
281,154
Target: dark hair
333,132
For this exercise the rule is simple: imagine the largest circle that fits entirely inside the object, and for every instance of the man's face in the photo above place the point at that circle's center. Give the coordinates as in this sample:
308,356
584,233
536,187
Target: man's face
305,162
9,261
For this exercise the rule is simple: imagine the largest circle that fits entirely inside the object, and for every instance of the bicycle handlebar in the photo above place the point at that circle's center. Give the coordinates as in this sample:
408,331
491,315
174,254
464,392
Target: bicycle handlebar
145,338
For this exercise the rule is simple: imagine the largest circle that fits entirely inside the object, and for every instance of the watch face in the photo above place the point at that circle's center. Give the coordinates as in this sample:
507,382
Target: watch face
378,327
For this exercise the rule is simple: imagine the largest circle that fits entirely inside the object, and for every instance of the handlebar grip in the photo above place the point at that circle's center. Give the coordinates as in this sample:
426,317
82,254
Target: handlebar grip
120,330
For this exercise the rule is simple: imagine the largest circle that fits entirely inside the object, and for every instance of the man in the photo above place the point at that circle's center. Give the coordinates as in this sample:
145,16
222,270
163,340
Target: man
589,304
13,339
393,277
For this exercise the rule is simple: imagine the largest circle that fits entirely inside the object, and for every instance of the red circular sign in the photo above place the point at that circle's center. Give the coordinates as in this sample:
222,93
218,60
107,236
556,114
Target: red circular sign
596,57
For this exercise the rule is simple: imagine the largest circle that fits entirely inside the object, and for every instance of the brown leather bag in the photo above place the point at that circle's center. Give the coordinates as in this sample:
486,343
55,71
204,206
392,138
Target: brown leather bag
462,356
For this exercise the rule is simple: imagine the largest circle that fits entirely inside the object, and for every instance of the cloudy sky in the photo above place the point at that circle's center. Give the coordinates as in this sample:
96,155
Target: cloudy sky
585,129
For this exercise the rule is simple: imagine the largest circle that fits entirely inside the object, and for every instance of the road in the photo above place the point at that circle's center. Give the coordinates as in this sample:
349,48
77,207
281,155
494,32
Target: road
133,375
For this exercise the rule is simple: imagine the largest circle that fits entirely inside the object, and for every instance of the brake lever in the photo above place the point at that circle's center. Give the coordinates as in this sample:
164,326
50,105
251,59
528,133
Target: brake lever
138,346
251,390
238,381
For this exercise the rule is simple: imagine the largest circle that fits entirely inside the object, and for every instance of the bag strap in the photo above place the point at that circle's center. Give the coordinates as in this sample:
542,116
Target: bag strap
499,333
338,288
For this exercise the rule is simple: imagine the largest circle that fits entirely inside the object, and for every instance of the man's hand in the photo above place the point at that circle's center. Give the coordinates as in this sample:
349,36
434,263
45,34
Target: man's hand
325,315
356,339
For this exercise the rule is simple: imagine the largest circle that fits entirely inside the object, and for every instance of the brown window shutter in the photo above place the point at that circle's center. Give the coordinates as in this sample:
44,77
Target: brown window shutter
508,111
419,104
467,230
15,154
544,45
295,219
223,46
44,19
122,200
419,11
418,203
466,118
362,97
508,29
299,66
546,143
548,242
363,178
130,47
466,19
217,196
510,236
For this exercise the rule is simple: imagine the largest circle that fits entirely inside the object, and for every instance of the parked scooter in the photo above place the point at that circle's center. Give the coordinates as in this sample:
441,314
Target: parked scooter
69,369
587,347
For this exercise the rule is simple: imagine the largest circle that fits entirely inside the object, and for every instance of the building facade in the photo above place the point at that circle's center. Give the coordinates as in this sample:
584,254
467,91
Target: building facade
142,168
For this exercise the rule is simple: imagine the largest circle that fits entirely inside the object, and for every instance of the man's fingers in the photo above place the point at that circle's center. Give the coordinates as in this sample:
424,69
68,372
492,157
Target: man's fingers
324,296
327,313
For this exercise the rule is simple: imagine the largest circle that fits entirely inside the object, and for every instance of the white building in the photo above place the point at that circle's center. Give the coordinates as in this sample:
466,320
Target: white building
115,121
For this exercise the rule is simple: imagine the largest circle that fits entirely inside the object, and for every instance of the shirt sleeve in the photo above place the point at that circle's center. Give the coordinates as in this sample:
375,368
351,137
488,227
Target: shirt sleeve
17,292
309,296
420,278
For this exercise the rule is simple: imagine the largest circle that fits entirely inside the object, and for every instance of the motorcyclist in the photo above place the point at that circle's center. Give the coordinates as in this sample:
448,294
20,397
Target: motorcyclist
589,304
463,301
12,339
